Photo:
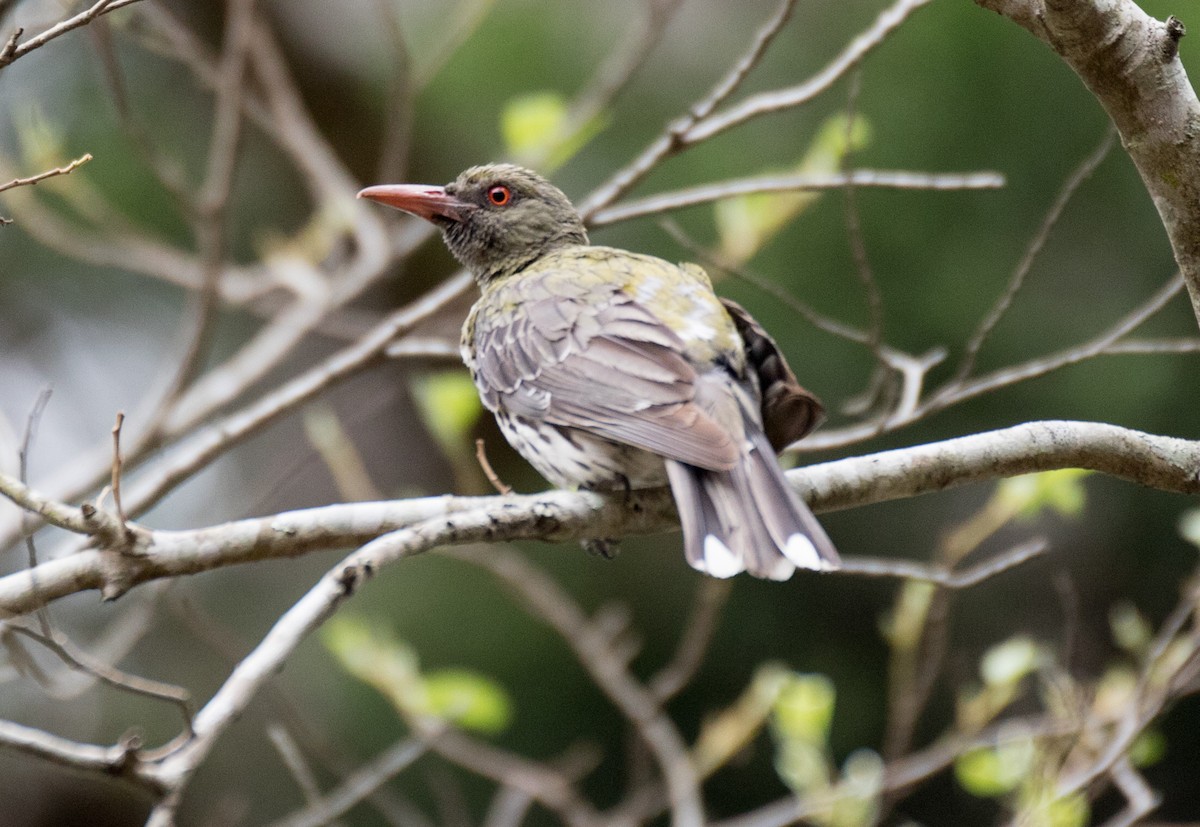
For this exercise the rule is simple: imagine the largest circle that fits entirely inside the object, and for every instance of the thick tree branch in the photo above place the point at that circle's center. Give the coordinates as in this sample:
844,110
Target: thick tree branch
1130,62
1161,462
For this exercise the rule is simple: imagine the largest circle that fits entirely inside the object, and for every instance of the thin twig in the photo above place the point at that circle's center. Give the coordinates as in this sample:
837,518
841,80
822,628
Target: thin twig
50,173
8,55
591,645
903,773
857,241
293,759
481,457
78,659
620,67
85,520
798,182
961,579
698,631
669,142
115,485
200,449
209,205
396,144
1140,800
357,786
952,394
31,427
1142,347
339,584
1150,697
1069,188
119,760
851,56
458,29
230,648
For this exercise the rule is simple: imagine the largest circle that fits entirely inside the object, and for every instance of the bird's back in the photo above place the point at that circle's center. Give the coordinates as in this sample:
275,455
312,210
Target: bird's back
679,296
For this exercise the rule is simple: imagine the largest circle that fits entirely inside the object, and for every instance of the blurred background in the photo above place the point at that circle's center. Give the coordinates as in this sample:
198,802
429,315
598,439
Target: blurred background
956,89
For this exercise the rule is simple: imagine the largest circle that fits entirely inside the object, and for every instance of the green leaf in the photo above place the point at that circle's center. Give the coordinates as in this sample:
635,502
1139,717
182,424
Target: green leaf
42,145
858,792
988,772
468,699
1043,808
532,123
1114,692
459,696
449,406
724,734
1130,630
802,766
1062,491
1008,662
1189,526
538,132
1148,748
905,625
375,658
804,709
745,223
1067,811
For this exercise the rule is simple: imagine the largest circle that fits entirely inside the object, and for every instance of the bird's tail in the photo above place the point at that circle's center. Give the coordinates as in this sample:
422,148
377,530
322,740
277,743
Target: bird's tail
748,518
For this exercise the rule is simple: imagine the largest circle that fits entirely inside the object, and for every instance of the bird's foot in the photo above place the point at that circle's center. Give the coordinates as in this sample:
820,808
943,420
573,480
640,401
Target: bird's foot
601,547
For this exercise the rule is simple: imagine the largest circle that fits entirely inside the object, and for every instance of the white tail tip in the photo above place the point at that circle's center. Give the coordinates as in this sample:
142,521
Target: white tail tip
719,561
801,551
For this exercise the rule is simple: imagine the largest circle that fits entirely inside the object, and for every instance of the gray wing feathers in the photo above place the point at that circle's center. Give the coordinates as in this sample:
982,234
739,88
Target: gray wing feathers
608,367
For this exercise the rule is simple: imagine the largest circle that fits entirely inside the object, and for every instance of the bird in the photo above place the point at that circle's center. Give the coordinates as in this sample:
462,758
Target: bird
610,370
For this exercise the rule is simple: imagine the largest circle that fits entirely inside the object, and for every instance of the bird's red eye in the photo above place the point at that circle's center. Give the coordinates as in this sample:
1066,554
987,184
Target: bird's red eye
499,195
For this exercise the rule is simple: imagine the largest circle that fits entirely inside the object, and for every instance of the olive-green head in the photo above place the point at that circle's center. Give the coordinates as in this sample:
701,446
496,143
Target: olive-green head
496,219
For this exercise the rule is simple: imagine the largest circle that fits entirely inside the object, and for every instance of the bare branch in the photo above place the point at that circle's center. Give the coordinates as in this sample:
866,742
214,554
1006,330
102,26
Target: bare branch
42,176
593,647
1144,89
86,520
953,393
307,614
705,193
117,462
77,658
210,203
119,760
1069,188
358,786
711,595
669,142
489,472
1140,799
15,51
964,579
195,452
31,427
1165,463
902,773
851,56
293,759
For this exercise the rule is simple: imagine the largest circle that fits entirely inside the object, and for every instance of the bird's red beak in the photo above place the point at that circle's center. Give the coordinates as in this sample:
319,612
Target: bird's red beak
428,202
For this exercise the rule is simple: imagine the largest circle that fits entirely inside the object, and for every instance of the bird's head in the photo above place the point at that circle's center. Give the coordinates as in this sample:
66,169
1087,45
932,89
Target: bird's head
496,219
